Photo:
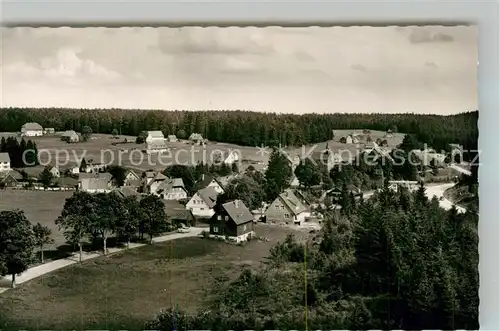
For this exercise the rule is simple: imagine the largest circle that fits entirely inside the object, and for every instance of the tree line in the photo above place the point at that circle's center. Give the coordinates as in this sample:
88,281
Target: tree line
22,154
248,128
394,261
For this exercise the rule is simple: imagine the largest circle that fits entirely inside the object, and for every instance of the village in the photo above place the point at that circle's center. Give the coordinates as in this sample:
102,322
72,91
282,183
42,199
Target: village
194,206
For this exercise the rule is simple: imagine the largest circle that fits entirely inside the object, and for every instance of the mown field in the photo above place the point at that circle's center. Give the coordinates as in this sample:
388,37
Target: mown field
38,206
126,289
105,148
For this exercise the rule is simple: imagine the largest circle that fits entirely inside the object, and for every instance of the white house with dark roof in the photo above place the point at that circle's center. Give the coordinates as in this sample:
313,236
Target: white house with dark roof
95,183
153,183
202,202
196,138
210,181
70,136
232,157
132,179
156,136
32,129
4,162
287,208
172,189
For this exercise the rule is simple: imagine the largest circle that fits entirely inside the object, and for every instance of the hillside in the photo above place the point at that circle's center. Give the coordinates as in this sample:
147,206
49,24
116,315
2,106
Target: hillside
460,195
249,128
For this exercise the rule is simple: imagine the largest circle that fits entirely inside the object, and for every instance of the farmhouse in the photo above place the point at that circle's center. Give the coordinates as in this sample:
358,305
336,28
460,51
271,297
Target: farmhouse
172,138
374,151
126,191
32,129
155,136
95,183
172,189
411,185
132,179
153,181
232,157
210,181
388,134
202,202
233,221
4,162
326,158
70,136
196,138
178,214
287,208
156,146
49,131
10,178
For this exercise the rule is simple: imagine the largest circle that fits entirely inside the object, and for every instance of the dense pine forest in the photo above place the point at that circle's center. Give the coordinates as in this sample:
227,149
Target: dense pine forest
249,128
395,261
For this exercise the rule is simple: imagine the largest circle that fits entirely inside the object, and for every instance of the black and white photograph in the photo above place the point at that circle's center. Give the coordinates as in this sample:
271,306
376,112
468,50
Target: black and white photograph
239,178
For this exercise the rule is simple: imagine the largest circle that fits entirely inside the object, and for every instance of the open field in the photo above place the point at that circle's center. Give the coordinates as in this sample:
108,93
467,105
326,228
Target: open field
100,148
38,206
125,289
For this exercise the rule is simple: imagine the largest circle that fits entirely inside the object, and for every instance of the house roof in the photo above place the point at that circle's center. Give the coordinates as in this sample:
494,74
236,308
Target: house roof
175,210
126,191
156,134
66,181
96,183
238,212
104,175
209,195
195,136
291,201
130,171
206,180
12,173
159,176
32,126
4,157
70,133
169,184
172,136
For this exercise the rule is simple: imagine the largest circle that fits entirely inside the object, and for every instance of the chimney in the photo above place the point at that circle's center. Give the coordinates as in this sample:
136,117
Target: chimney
202,176
236,203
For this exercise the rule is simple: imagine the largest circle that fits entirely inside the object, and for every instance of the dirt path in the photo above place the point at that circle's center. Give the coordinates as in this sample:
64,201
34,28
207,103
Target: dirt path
45,268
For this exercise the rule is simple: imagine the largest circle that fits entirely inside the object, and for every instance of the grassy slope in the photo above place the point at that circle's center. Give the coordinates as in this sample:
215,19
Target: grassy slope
126,289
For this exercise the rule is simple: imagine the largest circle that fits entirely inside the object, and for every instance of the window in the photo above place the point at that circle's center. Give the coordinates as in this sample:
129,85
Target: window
215,229
219,217
202,208
244,227
287,215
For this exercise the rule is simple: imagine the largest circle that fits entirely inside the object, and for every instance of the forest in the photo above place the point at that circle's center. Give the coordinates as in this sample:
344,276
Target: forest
395,261
249,128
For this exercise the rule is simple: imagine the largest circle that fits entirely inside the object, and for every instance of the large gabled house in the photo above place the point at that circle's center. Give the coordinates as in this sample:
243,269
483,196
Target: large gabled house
155,136
233,221
373,152
287,208
196,139
202,202
172,189
153,183
132,179
10,178
210,181
99,182
32,129
70,136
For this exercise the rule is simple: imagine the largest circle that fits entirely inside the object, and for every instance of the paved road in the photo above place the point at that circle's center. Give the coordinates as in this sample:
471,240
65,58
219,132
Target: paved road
438,191
460,169
45,268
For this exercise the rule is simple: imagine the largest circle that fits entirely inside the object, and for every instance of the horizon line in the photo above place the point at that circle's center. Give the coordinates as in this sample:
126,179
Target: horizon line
239,110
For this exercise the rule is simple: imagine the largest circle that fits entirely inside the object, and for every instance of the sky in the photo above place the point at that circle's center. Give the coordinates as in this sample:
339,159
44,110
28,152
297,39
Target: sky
272,69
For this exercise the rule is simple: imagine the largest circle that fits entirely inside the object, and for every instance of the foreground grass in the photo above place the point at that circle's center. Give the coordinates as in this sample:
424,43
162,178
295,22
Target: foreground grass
123,290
